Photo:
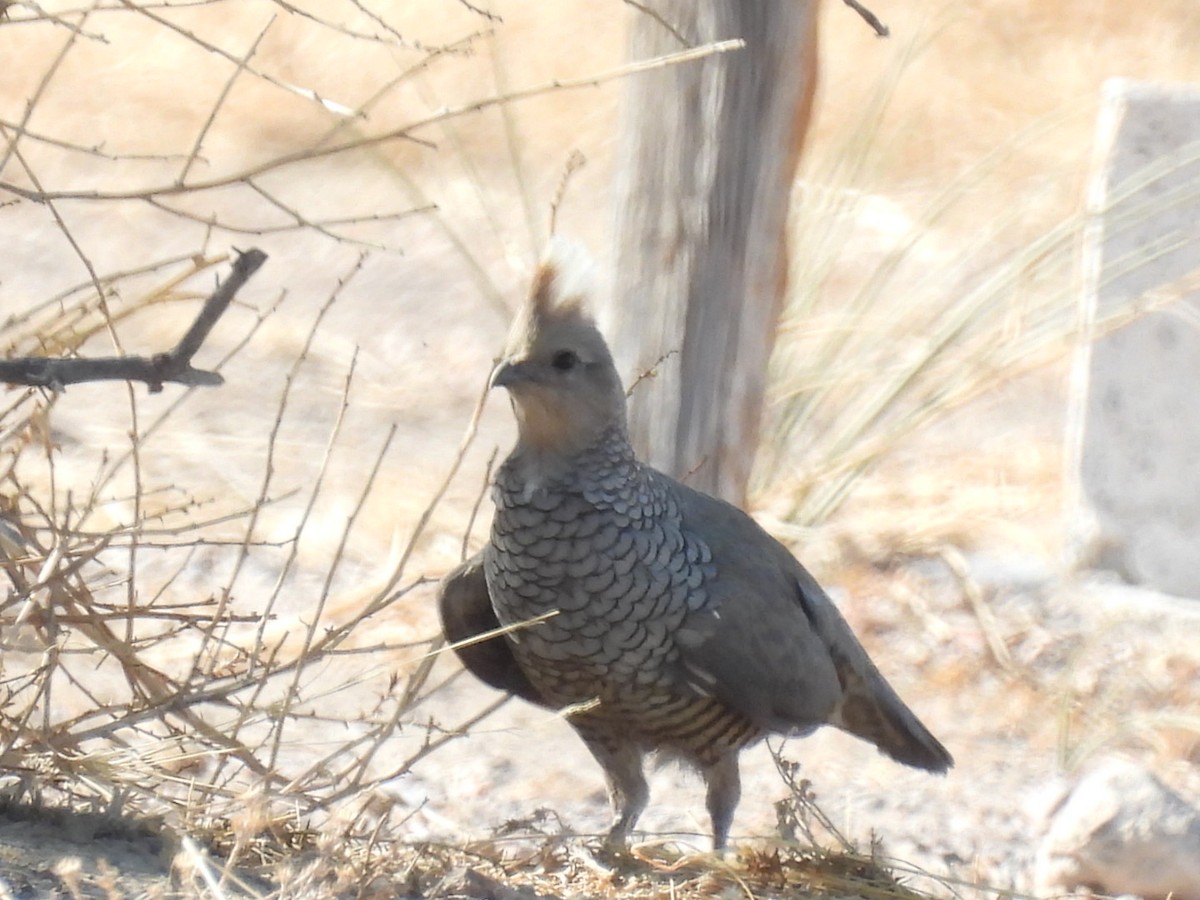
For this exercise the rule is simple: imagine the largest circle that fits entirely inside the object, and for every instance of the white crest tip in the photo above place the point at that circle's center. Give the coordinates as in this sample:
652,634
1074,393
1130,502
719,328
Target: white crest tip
569,272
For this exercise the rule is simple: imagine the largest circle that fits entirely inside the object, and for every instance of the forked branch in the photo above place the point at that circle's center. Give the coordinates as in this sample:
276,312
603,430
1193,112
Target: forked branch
174,366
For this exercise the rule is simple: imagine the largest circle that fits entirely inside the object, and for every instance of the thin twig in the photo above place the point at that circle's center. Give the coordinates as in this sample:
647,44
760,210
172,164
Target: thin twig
174,366
649,372
957,564
97,150
483,491
338,555
514,145
404,132
397,573
657,17
480,11
331,105
220,101
869,17
392,37
574,162
101,300
43,84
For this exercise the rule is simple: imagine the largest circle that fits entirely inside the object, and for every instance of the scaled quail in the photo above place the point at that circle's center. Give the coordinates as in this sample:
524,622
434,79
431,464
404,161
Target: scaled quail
681,626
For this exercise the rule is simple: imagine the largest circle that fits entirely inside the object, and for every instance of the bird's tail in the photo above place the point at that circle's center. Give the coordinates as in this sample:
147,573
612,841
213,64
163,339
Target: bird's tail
873,711
869,707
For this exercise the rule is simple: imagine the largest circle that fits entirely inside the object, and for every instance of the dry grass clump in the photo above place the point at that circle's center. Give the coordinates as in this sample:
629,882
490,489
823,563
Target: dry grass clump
905,308
567,867
538,858
127,689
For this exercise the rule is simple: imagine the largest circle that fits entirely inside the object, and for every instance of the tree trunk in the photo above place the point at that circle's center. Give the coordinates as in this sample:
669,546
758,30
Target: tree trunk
706,165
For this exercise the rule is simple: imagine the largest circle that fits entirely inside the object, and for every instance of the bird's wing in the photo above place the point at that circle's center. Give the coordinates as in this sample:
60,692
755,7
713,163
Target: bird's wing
466,612
770,642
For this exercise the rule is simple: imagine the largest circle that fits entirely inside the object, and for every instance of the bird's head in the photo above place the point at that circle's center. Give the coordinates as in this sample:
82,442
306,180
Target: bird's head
565,389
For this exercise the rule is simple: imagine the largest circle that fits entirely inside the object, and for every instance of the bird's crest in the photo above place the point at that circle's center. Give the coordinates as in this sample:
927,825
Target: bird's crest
562,284
559,297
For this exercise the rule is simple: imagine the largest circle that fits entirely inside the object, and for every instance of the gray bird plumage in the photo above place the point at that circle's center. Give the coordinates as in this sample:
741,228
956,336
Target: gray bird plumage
681,626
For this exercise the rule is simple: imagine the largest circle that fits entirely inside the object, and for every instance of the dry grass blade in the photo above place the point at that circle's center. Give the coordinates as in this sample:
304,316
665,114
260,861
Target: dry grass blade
861,369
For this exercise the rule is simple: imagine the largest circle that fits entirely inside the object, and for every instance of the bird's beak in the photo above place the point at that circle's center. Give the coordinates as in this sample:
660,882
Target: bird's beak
507,373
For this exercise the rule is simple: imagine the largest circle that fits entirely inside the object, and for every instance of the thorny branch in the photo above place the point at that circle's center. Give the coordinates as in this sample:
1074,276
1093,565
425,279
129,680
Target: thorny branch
174,366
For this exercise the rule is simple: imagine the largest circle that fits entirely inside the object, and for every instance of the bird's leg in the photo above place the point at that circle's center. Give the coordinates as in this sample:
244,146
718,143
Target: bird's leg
724,789
627,790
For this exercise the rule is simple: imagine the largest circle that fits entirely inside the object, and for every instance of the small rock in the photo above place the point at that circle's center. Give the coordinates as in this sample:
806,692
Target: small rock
1120,830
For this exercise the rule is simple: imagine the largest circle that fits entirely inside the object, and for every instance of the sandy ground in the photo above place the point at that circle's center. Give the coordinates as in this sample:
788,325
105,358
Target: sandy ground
1093,664
1095,669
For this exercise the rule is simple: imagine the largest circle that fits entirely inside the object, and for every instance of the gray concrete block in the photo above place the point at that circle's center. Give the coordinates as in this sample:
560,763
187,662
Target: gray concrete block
1136,426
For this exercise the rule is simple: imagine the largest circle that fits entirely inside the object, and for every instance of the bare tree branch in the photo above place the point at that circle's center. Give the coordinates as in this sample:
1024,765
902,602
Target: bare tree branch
174,366
403,132
869,17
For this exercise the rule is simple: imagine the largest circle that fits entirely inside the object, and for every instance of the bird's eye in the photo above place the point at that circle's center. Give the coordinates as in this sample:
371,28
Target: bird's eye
564,360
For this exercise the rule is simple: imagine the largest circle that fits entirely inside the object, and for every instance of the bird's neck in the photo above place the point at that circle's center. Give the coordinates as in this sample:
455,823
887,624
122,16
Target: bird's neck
533,467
